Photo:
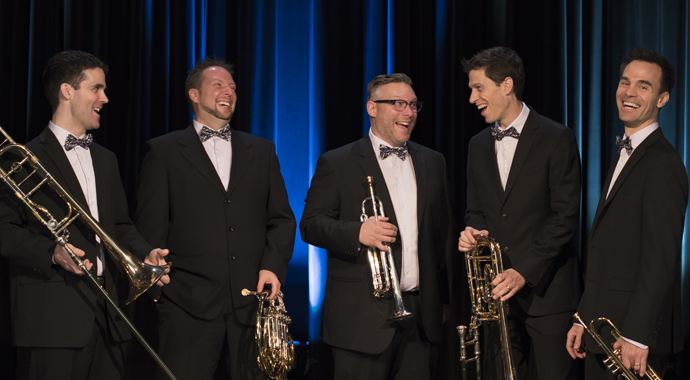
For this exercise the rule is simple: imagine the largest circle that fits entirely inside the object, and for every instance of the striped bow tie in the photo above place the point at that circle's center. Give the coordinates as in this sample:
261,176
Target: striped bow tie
223,133
84,142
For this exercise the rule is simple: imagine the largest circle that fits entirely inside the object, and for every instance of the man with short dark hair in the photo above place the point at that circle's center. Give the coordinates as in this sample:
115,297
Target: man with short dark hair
633,260
410,181
69,330
216,198
523,189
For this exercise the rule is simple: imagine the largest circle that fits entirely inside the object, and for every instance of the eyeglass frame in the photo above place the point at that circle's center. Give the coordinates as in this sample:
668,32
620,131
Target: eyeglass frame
394,103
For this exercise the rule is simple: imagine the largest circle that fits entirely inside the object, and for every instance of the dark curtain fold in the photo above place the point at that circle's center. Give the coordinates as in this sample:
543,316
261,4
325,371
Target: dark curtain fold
571,51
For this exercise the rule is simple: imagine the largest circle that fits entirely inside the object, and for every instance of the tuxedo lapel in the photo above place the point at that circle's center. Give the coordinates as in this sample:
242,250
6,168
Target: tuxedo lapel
487,157
527,137
241,157
61,168
193,150
420,177
636,156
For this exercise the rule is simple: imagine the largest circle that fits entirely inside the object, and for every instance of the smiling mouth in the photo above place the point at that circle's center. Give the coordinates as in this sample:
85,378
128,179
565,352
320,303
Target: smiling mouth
97,109
481,106
630,106
402,124
225,104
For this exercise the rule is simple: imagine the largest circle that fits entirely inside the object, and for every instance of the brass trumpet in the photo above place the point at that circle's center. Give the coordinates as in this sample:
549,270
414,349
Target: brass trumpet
481,271
613,361
276,349
383,271
141,276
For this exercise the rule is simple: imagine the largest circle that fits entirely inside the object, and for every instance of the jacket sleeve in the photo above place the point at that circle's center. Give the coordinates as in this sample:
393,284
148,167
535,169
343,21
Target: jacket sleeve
321,224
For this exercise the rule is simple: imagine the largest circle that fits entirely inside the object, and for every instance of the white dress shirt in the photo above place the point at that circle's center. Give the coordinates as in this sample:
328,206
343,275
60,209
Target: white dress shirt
220,153
82,165
635,140
505,149
402,187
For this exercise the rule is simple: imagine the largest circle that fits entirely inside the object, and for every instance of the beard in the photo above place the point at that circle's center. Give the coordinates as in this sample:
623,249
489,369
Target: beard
215,113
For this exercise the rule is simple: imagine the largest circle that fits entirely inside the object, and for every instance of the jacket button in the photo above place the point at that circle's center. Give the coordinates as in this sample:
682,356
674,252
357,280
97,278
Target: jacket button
232,258
505,249
504,216
230,229
227,201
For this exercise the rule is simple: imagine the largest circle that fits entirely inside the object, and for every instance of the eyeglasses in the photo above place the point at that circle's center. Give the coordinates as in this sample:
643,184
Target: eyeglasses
400,105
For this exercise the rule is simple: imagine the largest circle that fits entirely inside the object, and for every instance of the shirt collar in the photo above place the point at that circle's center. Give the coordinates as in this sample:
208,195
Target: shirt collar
638,137
519,122
198,126
61,133
376,141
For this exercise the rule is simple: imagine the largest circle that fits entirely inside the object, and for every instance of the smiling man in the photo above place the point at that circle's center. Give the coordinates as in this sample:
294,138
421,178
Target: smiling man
56,312
633,259
410,181
523,189
215,196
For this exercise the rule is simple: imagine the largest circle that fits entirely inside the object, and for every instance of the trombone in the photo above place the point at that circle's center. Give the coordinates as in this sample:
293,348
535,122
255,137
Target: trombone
141,275
481,271
383,271
613,361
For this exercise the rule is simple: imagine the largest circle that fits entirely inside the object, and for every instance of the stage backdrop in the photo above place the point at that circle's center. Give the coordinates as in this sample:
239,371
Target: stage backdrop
301,70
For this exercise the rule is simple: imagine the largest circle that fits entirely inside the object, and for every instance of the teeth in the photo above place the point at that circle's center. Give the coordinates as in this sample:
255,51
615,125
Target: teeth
226,104
481,107
403,123
630,105
97,109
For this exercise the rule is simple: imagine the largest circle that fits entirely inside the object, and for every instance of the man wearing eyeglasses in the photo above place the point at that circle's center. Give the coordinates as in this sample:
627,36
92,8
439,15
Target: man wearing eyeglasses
523,189
410,181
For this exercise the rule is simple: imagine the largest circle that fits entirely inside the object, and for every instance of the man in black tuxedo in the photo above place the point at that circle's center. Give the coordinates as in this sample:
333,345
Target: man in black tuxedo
57,313
215,197
523,189
633,272
411,183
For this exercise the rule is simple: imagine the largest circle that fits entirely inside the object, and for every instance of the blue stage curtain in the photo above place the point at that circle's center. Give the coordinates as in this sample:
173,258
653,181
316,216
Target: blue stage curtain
302,66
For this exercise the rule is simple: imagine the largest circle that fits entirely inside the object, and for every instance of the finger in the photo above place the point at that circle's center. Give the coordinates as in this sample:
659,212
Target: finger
643,366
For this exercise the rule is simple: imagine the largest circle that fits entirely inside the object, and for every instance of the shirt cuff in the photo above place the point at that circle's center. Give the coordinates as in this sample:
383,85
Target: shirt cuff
636,344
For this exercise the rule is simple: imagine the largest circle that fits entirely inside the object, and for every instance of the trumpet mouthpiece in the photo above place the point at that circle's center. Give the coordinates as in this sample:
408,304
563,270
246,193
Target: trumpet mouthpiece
246,292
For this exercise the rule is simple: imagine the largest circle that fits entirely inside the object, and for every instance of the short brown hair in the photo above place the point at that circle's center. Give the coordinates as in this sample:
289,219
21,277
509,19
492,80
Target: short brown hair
67,67
668,75
498,64
385,79
196,75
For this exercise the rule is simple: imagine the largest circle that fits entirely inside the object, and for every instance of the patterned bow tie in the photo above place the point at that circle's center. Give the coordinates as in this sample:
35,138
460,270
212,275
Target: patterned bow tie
624,143
499,133
206,133
385,151
84,142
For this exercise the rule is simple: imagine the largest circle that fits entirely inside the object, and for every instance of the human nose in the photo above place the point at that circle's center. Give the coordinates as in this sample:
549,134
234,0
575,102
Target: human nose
104,97
473,97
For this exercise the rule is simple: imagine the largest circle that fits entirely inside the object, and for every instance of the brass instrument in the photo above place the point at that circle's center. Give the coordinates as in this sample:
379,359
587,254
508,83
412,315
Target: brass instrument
141,276
613,361
383,271
276,350
481,271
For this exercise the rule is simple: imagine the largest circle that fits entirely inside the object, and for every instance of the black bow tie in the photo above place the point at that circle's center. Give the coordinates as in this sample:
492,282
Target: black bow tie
624,143
206,133
385,151
499,133
84,142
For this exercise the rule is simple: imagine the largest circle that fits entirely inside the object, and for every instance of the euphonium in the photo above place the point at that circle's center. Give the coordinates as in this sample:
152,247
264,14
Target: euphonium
276,350
141,276
613,361
481,271
383,271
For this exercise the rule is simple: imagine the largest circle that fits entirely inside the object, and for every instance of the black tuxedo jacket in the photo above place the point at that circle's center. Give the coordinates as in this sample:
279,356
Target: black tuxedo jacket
536,216
218,240
50,306
634,258
352,317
